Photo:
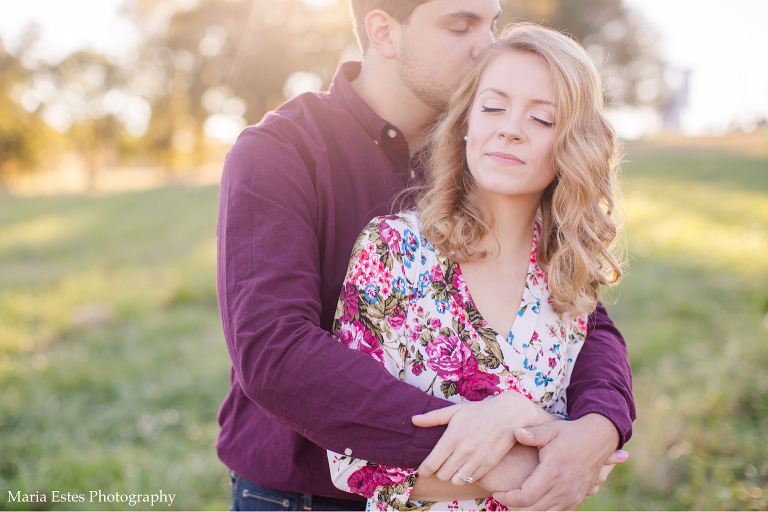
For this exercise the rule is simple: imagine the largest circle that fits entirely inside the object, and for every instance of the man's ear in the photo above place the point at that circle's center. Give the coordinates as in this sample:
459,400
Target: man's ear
383,32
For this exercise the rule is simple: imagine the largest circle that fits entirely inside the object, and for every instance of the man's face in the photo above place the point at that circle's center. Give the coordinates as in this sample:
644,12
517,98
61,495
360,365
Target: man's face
439,44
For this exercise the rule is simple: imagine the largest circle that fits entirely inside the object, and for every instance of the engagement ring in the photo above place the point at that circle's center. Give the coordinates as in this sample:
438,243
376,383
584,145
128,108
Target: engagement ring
466,480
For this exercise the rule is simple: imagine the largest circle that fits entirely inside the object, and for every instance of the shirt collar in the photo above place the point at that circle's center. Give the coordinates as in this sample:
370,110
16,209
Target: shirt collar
342,90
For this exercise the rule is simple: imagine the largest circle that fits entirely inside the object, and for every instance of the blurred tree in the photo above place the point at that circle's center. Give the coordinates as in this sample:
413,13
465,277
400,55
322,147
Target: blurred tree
81,103
209,67
24,137
214,66
85,105
221,65
618,39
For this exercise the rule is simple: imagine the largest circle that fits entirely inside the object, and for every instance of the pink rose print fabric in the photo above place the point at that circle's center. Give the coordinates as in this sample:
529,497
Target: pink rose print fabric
407,306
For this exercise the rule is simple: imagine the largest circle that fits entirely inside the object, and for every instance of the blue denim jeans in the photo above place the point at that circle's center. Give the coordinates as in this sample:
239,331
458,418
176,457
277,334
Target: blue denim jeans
248,496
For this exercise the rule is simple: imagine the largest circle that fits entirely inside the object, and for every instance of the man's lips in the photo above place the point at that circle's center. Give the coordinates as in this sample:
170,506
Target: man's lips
505,158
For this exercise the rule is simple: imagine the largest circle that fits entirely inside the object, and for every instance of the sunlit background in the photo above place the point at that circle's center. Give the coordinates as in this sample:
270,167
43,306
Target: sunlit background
164,82
115,117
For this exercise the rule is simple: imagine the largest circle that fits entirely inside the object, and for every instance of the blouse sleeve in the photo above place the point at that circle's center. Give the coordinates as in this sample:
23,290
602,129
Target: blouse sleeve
370,317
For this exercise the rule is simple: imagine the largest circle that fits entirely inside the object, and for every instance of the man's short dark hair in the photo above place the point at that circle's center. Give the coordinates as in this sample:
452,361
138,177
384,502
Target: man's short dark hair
399,9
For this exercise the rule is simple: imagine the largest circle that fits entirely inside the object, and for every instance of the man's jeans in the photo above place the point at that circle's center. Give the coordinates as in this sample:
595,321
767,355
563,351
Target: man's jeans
248,496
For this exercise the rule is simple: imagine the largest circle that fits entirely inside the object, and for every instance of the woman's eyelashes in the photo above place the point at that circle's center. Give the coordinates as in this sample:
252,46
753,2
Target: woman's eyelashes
537,119
543,122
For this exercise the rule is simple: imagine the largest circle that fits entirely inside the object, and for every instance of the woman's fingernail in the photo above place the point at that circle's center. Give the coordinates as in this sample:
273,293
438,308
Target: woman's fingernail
622,455
526,432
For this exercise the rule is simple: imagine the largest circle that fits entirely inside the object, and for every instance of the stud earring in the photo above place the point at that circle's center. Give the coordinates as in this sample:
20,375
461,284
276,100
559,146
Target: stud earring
466,138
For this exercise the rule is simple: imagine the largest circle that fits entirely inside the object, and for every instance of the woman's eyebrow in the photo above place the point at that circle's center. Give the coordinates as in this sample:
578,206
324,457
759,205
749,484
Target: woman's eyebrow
537,101
496,91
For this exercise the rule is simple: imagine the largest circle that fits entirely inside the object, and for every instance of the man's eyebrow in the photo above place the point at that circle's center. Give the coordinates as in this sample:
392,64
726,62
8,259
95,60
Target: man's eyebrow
460,15
505,95
465,15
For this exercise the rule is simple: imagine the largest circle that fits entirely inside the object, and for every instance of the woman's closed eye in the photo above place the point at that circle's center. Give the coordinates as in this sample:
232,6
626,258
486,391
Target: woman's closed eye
493,109
543,122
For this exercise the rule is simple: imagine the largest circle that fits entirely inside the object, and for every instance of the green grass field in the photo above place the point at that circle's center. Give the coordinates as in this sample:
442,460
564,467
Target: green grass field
113,364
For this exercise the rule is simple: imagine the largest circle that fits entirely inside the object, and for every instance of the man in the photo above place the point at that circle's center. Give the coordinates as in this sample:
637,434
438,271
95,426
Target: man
296,191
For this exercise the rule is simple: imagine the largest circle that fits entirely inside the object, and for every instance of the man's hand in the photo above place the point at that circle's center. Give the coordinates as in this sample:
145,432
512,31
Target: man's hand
575,457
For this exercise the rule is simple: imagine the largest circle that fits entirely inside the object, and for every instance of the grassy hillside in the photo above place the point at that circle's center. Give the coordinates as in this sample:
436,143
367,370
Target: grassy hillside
694,312
112,360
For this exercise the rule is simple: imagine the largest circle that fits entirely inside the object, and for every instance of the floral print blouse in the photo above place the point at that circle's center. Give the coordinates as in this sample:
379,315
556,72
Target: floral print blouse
407,306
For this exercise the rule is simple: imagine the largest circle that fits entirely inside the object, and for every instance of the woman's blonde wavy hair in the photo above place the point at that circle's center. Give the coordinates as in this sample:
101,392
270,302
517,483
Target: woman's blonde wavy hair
577,247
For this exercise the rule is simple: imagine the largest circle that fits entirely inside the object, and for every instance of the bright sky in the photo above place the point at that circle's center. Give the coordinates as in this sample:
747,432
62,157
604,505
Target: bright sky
723,43
69,25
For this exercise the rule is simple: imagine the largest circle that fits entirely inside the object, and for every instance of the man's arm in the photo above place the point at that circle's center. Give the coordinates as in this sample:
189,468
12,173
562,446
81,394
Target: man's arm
269,295
577,455
601,381
571,465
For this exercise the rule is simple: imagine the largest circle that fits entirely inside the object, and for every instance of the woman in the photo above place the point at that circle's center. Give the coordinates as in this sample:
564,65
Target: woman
518,209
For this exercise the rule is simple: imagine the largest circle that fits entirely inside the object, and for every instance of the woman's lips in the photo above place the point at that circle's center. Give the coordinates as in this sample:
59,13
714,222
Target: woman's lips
505,158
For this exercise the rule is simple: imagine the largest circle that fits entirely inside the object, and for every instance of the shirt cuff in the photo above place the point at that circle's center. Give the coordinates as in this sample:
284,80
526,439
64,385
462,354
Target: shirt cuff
422,439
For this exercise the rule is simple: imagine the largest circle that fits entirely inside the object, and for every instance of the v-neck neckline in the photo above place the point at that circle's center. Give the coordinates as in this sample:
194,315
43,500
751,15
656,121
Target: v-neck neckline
524,323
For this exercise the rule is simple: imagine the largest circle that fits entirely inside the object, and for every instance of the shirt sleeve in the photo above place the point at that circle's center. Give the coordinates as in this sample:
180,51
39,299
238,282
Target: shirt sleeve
370,318
601,381
268,283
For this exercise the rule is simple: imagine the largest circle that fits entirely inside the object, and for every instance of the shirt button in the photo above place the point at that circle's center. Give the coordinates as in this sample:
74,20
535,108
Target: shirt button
392,134
348,452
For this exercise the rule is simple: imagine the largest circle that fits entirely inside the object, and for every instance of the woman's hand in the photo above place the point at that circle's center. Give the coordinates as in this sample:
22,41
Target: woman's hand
513,469
478,436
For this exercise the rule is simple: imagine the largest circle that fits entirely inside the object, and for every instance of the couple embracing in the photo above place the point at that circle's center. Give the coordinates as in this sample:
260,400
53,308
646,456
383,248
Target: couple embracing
435,369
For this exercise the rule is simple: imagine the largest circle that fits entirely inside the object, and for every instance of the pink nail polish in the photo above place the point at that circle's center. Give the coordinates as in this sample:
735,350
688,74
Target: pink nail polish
622,455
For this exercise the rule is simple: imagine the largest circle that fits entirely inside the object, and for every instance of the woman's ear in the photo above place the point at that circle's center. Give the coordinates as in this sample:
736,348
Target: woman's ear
383,32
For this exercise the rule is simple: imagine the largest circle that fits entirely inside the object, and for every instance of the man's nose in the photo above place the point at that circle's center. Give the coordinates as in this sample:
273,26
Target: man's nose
484,40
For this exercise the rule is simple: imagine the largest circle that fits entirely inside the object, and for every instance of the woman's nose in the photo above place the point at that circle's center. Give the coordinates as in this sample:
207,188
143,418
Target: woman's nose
511,130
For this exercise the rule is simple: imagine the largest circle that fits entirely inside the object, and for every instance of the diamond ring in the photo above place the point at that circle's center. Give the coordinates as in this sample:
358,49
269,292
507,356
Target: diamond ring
465,480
